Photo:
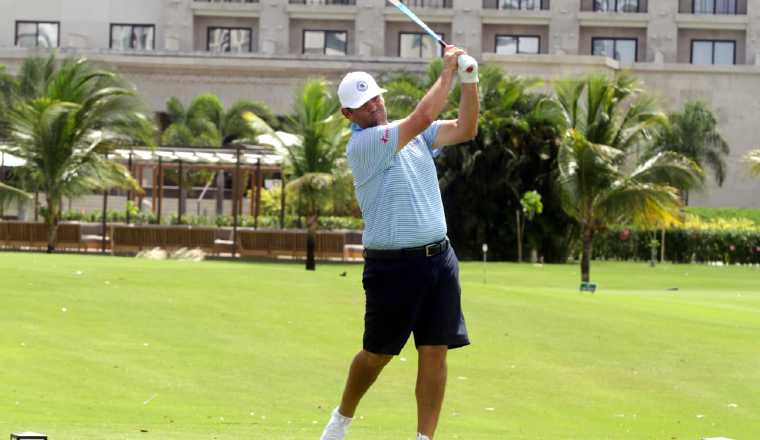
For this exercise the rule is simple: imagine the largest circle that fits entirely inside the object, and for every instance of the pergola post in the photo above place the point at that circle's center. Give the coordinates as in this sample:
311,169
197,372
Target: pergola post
258,194
2,179
251,196
282,200
235,190
36,204
104,219
181,204
129,192
153,189
160,186
220,192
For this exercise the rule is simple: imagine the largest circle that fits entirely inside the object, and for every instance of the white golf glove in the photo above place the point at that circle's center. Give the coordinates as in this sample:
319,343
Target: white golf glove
468,69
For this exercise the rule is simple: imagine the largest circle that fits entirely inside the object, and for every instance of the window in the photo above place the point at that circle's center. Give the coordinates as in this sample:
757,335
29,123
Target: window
133,36
714,6
624,50
515,44
520,4
418,45
705,52
616,5
37,33
223,39
325,42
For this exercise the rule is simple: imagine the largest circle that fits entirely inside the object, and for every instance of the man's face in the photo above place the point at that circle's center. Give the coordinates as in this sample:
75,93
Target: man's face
371,114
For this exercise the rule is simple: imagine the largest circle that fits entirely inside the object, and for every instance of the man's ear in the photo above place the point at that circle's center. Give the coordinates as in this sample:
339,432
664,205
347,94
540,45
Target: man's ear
346,112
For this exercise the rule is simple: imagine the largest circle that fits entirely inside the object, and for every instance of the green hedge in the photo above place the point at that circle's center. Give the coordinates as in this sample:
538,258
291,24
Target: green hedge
291,222
681,245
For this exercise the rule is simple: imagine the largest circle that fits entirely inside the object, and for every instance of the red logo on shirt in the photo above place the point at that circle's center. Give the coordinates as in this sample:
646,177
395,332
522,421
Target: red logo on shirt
386,135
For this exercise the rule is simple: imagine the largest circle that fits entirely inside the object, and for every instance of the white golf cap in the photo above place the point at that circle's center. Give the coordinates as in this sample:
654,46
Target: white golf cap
356,88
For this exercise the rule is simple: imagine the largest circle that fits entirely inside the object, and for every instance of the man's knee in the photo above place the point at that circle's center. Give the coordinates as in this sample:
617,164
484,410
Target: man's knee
432,353
375,360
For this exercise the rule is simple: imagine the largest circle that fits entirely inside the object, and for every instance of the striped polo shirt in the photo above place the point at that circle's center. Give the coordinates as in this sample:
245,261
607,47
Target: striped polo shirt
397,191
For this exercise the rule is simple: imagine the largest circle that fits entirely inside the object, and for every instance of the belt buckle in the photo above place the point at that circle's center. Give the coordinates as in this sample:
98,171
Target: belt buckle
429,249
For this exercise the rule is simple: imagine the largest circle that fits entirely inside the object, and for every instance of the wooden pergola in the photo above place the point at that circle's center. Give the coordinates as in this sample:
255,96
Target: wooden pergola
258,160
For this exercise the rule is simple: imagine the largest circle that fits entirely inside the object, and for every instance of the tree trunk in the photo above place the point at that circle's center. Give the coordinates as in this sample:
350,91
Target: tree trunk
519,237
588,235
311,241
51,220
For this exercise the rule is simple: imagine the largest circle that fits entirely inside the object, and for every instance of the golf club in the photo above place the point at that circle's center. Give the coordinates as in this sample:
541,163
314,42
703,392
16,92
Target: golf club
465,61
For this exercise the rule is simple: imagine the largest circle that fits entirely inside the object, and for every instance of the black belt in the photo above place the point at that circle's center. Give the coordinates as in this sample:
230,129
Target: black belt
428,250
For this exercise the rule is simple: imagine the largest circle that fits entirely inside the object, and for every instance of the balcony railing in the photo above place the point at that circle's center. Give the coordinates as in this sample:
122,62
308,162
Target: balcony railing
427,3
323,2
524,5
618,6
226,1
716,7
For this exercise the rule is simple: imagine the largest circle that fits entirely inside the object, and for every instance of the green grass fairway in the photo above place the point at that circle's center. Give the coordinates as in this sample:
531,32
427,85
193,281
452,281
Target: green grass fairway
118,348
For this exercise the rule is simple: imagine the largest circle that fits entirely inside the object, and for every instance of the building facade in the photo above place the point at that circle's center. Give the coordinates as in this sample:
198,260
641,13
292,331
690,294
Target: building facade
262,49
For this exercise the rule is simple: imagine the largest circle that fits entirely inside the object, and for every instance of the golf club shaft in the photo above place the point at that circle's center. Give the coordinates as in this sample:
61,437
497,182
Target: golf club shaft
465,61
408,12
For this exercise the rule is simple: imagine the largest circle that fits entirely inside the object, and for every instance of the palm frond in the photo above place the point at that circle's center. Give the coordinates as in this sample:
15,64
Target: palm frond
15,191
642,204
669,168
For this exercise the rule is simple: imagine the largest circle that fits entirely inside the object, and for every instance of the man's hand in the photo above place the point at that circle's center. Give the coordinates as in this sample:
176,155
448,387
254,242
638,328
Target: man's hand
451,58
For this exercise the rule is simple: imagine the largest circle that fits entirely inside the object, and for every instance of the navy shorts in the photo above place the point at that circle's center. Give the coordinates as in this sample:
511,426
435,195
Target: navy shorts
418,295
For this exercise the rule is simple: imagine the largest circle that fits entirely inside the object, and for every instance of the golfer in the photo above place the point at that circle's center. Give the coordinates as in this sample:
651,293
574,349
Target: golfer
411,274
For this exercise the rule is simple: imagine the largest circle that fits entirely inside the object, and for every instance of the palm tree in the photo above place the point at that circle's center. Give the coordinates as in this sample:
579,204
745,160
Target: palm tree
693,133
65,119
206,123
323,132
753,161
606,119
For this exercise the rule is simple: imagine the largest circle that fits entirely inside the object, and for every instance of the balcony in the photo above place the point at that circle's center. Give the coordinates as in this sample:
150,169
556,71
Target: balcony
322,9
714,7
614,6
432,11
323,2
517,5
428,3
226,8
714,15
516,12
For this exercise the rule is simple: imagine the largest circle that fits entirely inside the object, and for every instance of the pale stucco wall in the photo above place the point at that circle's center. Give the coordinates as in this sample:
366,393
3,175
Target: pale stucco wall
83,23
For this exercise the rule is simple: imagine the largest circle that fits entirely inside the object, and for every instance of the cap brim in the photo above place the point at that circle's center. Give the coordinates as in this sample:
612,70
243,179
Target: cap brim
367,97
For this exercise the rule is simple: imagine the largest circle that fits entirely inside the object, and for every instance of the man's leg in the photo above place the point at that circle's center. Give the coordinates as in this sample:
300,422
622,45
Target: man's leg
364,370
431,384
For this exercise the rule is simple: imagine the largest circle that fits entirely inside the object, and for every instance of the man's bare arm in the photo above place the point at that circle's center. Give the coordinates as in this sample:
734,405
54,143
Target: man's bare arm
432,104
465,127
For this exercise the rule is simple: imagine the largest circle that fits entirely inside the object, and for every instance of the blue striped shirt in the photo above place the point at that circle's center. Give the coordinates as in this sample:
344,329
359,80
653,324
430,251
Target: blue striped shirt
397,191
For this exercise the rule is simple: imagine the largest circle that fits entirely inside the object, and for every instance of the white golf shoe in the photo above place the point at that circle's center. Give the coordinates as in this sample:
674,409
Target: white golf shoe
422,437
337,427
